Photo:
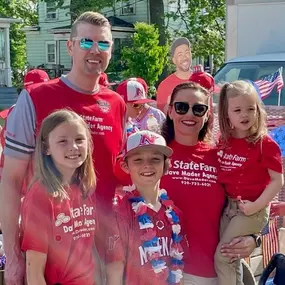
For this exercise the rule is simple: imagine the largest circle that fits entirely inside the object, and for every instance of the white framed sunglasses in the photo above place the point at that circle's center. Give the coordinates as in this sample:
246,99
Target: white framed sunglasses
87,44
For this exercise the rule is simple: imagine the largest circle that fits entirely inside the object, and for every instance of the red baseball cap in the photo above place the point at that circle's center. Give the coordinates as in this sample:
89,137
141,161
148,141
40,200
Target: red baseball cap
134,90
205,79
35,76
4,113
103,80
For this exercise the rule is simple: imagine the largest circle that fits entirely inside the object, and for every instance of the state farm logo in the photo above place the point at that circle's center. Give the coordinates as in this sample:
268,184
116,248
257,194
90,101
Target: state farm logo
103,105
220,153
61,219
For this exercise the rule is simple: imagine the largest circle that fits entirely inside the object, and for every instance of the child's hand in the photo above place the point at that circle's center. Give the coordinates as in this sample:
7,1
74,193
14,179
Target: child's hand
247,207
277,209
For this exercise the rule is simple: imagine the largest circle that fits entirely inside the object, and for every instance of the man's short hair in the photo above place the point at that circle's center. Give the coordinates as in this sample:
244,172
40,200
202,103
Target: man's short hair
93,18
179,42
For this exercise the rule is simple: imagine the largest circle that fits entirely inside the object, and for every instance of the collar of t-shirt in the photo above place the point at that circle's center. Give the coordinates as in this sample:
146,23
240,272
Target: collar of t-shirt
67,82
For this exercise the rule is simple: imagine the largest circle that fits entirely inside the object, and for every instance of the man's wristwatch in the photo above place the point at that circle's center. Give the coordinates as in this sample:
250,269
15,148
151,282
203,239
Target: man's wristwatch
257,239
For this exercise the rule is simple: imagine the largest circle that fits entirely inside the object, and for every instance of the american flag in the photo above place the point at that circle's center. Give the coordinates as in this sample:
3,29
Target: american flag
270,243
267,83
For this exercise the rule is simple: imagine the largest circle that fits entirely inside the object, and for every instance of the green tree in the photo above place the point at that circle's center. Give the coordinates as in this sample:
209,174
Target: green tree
204,21
145,58
27,12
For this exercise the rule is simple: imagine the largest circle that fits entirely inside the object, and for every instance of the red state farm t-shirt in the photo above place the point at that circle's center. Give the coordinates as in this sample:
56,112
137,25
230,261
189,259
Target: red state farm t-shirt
192,184
125,244
62,230
165,89
244,166
104,112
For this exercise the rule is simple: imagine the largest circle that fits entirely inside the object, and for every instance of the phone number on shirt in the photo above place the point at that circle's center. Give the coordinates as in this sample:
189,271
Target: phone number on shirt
194,183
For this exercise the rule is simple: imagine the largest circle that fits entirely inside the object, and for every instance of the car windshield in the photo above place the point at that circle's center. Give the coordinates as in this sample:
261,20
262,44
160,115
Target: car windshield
252,71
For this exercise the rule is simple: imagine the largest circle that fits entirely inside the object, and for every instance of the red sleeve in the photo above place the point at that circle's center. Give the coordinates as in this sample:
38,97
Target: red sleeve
36,219
122,177
271,155
117,240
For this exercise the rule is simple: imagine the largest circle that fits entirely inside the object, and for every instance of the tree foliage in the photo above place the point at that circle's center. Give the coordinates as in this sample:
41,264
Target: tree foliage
204,21
145,58
26,11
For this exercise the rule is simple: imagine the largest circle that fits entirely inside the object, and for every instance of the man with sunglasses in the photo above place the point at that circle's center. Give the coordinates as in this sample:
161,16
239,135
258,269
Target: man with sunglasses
182,58
90,46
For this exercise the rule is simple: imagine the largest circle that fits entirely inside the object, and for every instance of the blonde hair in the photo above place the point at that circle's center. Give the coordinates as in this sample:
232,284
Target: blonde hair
244,88
90,17
45,170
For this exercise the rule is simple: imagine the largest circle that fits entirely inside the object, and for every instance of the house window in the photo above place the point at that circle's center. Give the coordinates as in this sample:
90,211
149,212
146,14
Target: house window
128,8
51,52
51,11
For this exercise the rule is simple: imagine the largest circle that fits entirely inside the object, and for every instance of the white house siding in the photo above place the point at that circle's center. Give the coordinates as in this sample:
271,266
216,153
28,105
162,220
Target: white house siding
63,18
36,40
141,11
65,59
36,47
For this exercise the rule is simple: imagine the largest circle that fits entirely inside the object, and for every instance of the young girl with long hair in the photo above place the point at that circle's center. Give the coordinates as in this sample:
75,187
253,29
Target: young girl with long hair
58,215
250,170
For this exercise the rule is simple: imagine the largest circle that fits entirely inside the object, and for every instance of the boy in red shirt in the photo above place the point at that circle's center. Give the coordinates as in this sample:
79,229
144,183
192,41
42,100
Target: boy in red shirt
250,169
145,243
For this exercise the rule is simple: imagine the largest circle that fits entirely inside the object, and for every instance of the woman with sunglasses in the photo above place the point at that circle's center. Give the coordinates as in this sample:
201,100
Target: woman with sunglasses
192,182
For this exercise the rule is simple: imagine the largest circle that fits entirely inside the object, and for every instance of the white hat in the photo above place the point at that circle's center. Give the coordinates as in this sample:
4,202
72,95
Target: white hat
134,90
146,139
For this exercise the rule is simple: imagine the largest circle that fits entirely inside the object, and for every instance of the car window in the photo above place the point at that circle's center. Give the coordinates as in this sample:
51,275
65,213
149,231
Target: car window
252,71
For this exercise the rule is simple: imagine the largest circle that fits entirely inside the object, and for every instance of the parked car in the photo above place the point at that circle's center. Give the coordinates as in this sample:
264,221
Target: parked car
253,68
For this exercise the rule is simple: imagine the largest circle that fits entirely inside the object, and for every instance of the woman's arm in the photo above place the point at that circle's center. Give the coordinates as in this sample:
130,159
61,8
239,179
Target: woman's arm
271,190
114,273
35,266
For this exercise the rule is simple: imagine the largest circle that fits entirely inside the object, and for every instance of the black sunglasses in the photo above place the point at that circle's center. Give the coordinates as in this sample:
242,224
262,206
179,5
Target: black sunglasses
198,110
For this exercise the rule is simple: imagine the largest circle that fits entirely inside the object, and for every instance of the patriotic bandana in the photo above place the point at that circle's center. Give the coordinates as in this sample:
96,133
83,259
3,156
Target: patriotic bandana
172,272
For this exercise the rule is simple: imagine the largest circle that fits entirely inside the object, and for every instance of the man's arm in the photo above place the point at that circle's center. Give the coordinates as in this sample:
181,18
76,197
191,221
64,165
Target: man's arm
10,202
19,145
